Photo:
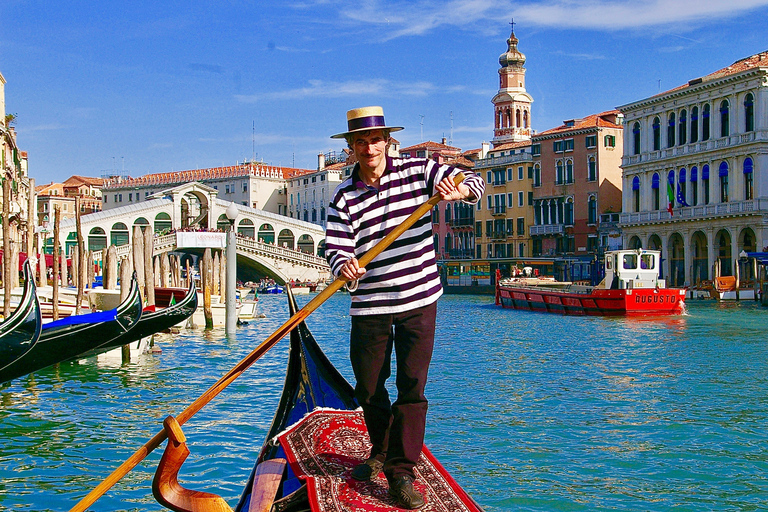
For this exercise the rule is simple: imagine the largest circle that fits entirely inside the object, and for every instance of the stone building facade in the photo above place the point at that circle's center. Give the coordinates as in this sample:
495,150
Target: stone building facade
695,172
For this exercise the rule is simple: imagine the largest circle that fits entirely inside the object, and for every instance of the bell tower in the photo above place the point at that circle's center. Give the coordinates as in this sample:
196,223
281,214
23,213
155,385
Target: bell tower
512,104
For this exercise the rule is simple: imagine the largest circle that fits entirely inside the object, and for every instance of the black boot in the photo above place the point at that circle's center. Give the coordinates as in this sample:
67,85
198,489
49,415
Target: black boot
368,469
401,488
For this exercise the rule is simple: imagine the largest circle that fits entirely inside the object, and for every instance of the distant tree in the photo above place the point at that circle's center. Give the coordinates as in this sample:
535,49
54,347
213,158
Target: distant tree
10,119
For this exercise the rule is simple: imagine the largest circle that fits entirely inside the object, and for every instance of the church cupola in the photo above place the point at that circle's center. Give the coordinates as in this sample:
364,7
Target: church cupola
512,104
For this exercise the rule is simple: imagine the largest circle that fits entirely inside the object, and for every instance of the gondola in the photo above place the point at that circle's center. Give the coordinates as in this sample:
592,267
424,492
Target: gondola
314,390
153,321
65,339
21,331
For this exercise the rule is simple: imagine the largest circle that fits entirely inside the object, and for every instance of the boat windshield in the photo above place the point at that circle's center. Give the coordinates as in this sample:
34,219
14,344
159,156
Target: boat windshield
630,261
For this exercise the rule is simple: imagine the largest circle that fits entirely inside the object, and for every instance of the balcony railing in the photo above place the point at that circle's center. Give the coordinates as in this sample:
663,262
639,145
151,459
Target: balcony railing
547,229
461,222
690,149
499,210
500,161
499,235
700,212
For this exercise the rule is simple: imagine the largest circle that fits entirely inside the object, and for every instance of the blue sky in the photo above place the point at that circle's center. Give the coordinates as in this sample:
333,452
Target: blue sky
158,86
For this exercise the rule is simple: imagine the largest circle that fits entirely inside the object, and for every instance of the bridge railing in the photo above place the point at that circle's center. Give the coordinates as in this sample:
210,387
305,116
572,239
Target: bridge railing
282,252
168,241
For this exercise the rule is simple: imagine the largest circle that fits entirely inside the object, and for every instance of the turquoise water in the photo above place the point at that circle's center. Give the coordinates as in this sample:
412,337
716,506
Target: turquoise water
528,411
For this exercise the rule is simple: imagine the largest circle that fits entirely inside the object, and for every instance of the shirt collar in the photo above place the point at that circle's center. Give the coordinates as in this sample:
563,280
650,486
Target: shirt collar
358,181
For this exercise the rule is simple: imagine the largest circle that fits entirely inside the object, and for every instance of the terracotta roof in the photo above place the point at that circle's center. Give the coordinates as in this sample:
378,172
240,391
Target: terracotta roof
758,60
460,161
512,145
432,146
75,180
170,178
601,120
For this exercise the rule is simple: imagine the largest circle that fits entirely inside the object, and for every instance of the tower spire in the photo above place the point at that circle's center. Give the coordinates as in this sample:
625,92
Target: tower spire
512,104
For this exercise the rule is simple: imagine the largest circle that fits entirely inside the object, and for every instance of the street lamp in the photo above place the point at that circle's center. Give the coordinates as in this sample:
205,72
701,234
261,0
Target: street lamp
231,306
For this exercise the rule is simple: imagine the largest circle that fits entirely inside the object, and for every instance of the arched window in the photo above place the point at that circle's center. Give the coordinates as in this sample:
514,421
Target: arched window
447,213
723,173
748,180
695,124
537,175
749,113
518,122
636,193
568,213
163,223
636,139
97,239
694,186
681,197
705,122
119,234
592,210
246,228
569,171
670,190
725,119
671,130
705,183
656,133
655,180
525,119
682,127
591,169
559,173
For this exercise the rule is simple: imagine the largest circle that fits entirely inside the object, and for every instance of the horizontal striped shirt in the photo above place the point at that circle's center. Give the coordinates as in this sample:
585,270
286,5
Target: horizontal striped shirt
404,276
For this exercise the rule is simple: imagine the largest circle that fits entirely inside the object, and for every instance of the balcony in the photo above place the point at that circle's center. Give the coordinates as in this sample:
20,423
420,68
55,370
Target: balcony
501,161
548,229
690,149
461,254
461,222
700,212
499,235
499,211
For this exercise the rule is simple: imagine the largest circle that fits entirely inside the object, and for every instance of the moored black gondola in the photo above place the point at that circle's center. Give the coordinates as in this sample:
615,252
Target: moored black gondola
152,322
65,339
19,333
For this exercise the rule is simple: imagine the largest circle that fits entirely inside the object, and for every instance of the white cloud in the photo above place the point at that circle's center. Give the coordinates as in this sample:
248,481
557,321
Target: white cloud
409,18
373,87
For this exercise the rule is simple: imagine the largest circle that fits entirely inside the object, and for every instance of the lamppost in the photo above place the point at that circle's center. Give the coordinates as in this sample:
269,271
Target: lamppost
231,321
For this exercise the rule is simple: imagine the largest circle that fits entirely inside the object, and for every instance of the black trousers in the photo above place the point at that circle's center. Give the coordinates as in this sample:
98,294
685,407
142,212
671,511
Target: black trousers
396,429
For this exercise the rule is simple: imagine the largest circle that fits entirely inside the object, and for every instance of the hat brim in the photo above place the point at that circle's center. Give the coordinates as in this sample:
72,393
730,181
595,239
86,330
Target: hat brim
367,129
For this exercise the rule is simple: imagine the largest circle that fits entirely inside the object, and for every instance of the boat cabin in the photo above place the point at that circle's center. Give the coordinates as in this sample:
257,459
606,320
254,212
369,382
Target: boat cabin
636,268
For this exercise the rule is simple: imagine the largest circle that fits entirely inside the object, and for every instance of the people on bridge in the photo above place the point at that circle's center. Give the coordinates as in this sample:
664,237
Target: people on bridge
394,298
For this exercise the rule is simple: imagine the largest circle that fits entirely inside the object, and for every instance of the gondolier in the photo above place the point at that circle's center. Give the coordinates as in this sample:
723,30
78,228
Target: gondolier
394,298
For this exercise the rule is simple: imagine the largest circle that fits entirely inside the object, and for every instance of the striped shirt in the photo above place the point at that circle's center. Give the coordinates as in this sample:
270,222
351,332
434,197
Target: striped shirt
404,276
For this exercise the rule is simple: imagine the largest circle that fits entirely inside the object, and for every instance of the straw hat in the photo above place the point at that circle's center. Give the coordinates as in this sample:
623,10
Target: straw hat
366,118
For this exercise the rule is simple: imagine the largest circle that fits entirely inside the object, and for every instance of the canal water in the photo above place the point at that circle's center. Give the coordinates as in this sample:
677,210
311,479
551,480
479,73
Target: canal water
528,411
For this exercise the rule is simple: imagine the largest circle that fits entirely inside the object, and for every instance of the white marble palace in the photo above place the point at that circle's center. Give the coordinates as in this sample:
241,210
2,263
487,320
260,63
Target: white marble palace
695,172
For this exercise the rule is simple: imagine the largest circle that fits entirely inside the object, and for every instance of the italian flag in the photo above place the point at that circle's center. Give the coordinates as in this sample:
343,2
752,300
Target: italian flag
670,197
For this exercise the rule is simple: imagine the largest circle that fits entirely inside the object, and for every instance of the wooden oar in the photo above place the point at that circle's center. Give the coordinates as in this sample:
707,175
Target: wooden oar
259,351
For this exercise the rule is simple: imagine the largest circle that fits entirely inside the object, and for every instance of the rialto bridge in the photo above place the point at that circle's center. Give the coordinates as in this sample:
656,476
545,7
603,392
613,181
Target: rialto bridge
190,217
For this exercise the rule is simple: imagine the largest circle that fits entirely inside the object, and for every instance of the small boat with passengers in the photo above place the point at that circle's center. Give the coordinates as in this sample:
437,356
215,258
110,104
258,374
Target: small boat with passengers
631,286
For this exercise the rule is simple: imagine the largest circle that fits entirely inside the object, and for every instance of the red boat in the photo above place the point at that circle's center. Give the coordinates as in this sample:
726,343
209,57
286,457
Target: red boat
631,287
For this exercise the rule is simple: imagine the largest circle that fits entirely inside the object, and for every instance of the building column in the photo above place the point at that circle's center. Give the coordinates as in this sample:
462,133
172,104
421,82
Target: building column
667,255
687,251
711,251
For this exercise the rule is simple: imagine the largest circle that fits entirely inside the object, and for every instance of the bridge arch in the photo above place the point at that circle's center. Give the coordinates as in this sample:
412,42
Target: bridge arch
163,223
119,234
306,244
266,234
97,239
285,238
246,228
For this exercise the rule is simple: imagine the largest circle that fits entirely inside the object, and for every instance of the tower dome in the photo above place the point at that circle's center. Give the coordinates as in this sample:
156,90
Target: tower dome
513,56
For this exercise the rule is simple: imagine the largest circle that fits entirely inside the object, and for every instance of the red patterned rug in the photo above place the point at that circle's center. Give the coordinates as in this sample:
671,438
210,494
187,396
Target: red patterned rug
325,446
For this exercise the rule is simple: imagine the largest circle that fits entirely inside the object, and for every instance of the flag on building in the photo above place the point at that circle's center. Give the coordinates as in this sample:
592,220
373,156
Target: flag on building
670,198
681,196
